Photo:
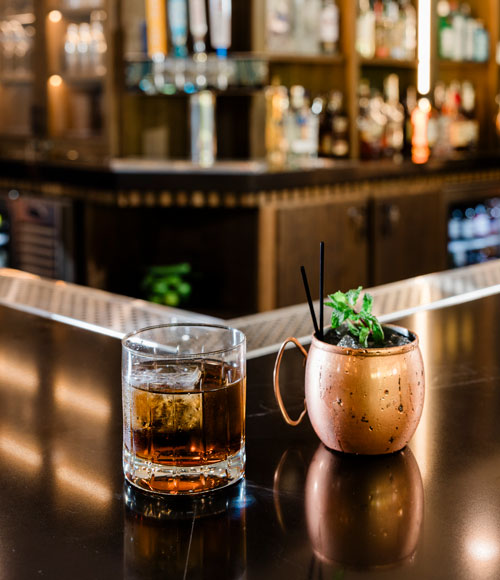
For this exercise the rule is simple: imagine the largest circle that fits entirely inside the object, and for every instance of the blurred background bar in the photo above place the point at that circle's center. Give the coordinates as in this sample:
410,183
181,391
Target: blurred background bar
194,153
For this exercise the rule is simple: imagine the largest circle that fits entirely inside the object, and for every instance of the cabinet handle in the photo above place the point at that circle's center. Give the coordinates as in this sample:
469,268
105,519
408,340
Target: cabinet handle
357,218
391,216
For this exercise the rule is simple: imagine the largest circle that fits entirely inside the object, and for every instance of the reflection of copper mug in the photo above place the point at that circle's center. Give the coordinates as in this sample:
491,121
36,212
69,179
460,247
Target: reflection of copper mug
364,512
366,401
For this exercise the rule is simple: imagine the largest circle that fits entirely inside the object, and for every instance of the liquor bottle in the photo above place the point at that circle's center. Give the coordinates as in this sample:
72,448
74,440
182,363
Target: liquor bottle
470,125
70,49
497,118
202,128
365,30
481,42
398,41
394,112
409,104
420,151
198,25
220,26
410,28
371,122
458,136
458,25
276,112
334,128
445,31
279,23
394,45
306,29
329,27
301,127
177,19
83,48
381,30
156,22
441,146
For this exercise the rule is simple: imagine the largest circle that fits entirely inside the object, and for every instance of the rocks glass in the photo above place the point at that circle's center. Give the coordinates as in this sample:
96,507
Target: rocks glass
184,389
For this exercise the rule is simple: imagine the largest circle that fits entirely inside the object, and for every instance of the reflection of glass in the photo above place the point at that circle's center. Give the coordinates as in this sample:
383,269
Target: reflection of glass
185,537
364,511
184,407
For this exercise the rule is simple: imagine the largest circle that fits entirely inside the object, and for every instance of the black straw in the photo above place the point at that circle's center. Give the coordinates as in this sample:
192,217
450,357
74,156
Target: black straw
309,299
321,285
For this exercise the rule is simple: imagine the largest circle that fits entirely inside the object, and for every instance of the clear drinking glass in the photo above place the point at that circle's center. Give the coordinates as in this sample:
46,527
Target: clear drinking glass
184,388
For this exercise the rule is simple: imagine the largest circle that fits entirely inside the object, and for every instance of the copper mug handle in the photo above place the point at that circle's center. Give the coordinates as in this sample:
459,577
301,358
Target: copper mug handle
276,381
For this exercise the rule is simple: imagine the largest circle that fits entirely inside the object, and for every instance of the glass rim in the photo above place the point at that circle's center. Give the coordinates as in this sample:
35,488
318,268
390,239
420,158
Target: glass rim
129,335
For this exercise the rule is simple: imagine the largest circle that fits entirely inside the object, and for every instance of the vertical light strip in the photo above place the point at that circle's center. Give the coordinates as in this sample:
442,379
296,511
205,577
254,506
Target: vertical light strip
424,47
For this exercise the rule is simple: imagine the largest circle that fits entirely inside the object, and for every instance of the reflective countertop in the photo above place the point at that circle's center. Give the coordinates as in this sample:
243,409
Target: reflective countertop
431,511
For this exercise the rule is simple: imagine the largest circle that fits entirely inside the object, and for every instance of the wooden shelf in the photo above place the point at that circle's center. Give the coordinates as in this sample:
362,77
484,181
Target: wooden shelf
462,64
79,13
24,79
285,58
388,63
83,81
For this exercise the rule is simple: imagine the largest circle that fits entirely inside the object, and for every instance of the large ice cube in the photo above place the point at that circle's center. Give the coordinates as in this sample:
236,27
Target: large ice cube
178,376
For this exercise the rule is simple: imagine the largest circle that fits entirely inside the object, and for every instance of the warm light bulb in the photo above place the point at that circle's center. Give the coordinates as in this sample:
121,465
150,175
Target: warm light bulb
55,81
55,16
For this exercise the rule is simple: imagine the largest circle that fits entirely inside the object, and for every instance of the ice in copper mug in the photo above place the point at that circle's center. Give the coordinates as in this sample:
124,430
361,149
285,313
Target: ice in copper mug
184,388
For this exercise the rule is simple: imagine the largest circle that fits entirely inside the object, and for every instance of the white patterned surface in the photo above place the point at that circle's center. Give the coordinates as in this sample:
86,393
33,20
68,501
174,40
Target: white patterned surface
117,315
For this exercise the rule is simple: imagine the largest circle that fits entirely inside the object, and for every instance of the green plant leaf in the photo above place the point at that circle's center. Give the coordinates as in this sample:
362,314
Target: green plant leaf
367,304
353,295
363,324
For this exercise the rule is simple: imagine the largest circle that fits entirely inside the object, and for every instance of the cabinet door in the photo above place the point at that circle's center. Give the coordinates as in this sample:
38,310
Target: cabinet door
409,236
298,229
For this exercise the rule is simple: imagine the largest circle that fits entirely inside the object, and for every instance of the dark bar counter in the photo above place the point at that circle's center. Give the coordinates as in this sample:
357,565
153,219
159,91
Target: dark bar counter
234,176
431,511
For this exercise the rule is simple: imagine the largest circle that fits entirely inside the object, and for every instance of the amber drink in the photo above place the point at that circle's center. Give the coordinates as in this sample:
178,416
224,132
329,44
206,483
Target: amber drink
183,408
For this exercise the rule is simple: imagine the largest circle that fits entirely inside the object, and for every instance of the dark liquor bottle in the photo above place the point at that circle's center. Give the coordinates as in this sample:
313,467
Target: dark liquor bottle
371,122
334,128
394,111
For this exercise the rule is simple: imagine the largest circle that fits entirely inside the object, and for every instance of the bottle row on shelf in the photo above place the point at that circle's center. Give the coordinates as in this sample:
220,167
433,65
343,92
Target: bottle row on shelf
16,47
474,232
83,4
302,26
85,46
387,128
461,37
386,29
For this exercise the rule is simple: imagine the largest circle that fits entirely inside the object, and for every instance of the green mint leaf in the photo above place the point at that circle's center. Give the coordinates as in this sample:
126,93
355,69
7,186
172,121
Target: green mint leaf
367,304
353,329
378,333
353,295
337,318
362,324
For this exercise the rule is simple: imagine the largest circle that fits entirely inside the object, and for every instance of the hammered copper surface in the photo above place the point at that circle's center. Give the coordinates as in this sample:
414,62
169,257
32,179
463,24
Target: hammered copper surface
365,401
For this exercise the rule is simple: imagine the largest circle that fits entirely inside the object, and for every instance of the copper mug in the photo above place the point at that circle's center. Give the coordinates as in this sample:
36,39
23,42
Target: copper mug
367,401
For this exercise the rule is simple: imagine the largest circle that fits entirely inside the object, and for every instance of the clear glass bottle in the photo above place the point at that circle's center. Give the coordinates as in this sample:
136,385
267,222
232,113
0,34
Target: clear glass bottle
306,26
410,29
301,127
71,49
365,30
329,27
276,113
279,25
394,112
